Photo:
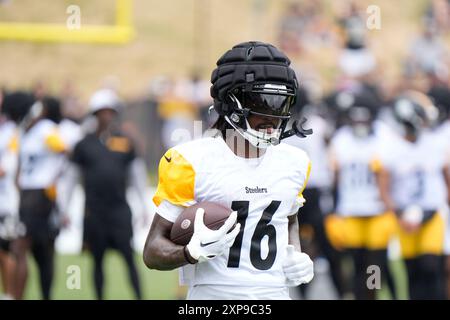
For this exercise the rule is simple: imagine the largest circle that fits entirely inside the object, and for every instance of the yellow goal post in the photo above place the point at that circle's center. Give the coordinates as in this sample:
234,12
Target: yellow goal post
121,32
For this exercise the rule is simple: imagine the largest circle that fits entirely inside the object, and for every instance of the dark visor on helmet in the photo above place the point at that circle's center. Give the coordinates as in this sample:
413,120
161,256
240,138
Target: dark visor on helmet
271,104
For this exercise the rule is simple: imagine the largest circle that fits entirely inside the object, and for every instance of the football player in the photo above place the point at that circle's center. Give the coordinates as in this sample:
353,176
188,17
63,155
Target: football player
40,162
413,181
8,190
367,226
318,192
253,88
441,98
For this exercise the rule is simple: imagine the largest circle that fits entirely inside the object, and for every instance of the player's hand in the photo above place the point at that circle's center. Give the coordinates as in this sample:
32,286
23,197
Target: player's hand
207,244
298,267
408,227
411,219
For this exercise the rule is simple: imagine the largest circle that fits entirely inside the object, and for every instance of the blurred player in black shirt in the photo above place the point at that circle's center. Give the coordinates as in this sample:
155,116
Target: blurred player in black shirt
107,163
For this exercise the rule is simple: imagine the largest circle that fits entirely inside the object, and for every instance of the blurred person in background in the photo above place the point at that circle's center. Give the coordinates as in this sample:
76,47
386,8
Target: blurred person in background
366,226
178,112
311,218
71,116
107,163
40,163
353,26
304,27
414,183
438,13
198,91
71,132
356,61
440,93
291,27
9,226
427,51
70,127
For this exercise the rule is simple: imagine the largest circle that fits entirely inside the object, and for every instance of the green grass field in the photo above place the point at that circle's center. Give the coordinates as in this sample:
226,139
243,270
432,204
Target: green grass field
398,270
156,285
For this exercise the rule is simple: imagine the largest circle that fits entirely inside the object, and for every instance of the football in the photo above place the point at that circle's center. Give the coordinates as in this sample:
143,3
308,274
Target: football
183,227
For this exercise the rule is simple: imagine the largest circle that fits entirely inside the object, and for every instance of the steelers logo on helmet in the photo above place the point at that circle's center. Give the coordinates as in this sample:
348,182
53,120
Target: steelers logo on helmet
255,79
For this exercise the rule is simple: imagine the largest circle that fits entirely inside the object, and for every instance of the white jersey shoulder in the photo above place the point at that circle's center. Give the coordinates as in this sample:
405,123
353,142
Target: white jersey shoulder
8,163
195,150
7,131
71,132
39,165
43,127
295,159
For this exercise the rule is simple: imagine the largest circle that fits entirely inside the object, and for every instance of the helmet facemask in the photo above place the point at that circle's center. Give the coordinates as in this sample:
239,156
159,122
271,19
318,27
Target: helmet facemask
361,121
269,101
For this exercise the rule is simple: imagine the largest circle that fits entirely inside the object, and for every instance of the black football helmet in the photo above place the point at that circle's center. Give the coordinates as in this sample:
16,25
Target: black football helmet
255,78
414,111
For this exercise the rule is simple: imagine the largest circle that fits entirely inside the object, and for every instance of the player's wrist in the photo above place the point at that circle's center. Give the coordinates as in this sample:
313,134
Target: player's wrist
188,257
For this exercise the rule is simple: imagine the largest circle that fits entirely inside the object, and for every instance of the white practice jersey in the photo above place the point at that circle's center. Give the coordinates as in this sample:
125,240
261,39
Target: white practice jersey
442,133
8,163
356,160
416,171
70,133
40,156
316,147
264,191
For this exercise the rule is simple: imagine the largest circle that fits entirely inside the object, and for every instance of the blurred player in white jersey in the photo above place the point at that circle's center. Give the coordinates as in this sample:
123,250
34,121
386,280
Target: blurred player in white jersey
441,97
40,163
253,90
71,133
414,183
318,192
366,226
9,227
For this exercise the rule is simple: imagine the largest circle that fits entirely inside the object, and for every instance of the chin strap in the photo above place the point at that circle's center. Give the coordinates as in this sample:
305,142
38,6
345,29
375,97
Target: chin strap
297,129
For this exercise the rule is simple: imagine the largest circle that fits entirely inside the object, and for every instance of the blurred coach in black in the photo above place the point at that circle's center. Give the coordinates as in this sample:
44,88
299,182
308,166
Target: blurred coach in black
107,163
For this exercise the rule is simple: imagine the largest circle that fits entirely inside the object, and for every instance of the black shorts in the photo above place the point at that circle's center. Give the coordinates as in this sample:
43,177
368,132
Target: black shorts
5,244
5,241
112,229
311,212
36,212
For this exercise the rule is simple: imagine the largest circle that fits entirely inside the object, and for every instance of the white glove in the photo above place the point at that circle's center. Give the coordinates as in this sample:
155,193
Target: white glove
207,244
298,267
